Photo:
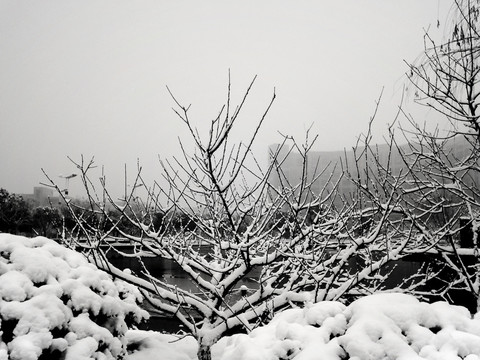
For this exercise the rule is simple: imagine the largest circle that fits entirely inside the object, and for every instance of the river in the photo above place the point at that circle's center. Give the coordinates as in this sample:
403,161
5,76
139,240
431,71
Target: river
170,272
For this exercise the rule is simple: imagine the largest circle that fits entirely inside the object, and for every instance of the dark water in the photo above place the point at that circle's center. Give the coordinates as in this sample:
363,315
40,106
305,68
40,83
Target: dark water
172,273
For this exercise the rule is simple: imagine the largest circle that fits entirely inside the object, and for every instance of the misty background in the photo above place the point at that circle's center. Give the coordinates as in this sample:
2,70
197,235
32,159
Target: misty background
89,77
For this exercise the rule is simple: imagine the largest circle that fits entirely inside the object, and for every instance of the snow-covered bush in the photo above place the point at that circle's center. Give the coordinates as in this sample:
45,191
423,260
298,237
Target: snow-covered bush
382,326
54,304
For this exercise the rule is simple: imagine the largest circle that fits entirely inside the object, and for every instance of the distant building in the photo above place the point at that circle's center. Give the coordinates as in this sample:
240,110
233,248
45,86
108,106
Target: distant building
325,168
42,196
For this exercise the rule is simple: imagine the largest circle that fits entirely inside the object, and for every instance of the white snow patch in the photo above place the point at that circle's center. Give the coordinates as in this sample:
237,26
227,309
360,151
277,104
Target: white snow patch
155,346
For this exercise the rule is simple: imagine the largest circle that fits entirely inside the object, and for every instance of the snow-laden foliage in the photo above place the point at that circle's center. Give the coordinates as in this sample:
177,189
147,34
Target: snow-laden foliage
54,304
381,326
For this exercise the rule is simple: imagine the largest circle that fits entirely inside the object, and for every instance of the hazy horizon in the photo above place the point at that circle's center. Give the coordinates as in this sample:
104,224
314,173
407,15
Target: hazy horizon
89,78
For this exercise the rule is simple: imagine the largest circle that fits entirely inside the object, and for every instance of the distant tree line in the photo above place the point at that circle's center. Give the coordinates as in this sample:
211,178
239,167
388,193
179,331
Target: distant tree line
18,216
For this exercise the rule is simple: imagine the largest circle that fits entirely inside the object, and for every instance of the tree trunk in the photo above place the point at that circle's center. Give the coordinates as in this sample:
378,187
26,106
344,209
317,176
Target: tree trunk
204,352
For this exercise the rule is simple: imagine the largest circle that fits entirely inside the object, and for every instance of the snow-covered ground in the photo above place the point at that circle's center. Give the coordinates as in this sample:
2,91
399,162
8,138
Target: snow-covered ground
52,302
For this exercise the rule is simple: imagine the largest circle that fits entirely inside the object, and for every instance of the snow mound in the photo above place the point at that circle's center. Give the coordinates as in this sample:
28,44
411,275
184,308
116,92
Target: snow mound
54,304
381,326
153,345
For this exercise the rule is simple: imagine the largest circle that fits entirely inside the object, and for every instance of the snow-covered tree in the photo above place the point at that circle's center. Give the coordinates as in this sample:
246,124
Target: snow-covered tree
430,186
250,246
446,79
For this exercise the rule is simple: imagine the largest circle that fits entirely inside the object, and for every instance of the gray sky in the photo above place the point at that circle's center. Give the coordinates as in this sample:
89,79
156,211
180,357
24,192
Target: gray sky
89,77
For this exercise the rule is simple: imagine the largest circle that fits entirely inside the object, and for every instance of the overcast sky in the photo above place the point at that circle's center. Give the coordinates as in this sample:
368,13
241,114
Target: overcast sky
89,76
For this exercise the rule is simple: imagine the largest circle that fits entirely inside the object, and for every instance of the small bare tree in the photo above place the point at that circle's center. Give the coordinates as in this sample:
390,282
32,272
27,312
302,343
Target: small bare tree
447,80
430,184
252,240
237,226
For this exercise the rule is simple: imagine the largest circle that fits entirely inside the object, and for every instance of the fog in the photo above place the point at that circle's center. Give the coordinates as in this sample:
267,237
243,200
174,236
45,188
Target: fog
89,77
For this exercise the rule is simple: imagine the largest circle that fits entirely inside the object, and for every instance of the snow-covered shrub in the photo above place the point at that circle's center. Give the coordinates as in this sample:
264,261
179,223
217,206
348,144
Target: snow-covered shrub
54,304
382,326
